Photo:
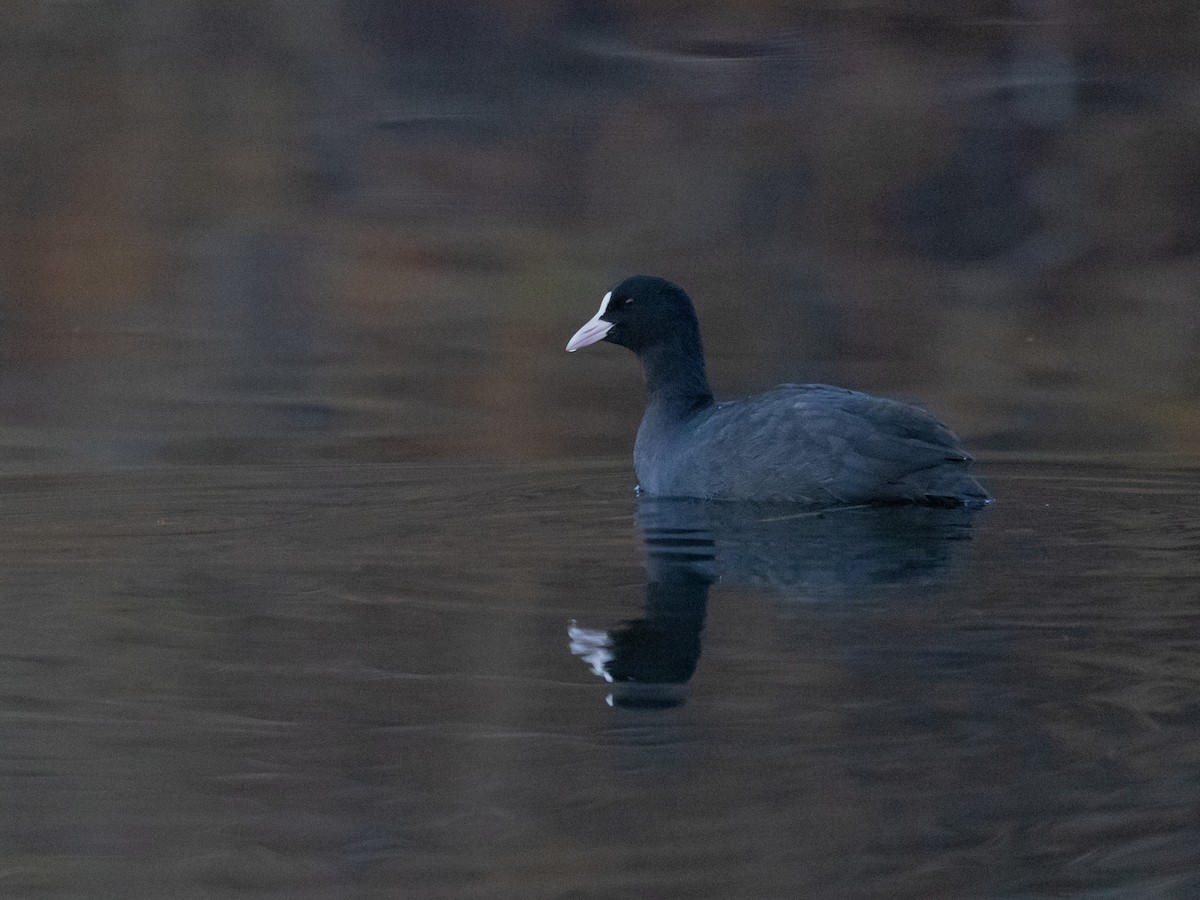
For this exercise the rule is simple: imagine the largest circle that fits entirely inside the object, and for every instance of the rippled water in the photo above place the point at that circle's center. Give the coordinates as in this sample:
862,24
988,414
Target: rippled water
328,680
321,571
301,608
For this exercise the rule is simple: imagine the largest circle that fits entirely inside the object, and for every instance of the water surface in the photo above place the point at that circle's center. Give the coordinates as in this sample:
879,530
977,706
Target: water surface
321,570
327,680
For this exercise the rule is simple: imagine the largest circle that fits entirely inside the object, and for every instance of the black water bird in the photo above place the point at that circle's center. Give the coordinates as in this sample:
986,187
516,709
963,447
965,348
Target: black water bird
805,443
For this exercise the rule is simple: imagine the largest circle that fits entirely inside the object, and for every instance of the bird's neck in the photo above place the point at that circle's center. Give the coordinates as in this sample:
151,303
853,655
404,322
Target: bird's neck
676,380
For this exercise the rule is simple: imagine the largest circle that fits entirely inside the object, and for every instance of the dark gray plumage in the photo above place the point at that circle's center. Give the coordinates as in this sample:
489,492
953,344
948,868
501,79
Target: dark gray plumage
808,443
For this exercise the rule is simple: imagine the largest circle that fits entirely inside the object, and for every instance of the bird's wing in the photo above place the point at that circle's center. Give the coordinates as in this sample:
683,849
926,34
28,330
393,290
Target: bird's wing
848,442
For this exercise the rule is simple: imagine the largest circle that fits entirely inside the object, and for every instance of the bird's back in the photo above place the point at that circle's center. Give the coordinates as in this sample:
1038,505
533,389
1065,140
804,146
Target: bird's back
807,443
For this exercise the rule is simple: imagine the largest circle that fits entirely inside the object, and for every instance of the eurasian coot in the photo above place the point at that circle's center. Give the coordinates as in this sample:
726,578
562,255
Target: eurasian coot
807,443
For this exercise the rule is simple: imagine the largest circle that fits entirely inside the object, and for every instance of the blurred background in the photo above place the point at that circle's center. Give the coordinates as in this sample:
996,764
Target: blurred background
239,230
302,494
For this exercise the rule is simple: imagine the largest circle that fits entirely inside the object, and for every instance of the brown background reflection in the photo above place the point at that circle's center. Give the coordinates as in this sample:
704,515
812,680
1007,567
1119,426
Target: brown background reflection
371,224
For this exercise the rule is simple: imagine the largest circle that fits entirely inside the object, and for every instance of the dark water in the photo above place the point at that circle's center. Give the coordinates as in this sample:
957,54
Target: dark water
320,566
321,680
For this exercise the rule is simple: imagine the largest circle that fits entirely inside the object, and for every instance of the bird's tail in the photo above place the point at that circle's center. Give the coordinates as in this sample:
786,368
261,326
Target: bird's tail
949,485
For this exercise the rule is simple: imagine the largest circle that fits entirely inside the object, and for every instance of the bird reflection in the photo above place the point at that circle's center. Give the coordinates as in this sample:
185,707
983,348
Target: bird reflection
838,553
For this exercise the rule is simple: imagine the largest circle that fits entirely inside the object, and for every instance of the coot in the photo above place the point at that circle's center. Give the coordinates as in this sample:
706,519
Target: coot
807,443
